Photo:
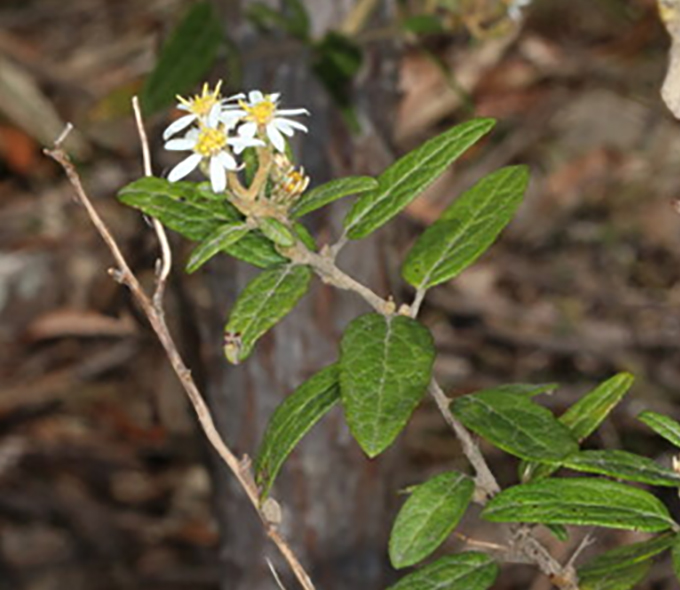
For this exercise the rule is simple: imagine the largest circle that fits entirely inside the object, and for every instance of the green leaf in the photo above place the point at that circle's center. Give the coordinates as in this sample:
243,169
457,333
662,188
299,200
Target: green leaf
558,531
675,554
623,579
463,571
265,17
304,236
264,302
321,196
515,424
217,241
466,229
336,60
663,425
623,557
429,515
623,465
409,176
584,417
385,367
580,501
526,389
589,412
179,206
277,232
423,24
298,24
185,58
292,420
196,213
622,568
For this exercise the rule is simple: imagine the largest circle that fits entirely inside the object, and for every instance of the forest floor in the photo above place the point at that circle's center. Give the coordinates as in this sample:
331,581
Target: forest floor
103,480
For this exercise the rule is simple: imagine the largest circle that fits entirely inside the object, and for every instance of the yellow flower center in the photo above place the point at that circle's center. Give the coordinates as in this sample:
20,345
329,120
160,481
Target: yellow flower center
201,104
295,182
260,113
210,141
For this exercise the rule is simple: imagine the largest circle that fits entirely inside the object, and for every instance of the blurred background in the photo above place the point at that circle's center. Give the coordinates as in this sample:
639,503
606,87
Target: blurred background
105,480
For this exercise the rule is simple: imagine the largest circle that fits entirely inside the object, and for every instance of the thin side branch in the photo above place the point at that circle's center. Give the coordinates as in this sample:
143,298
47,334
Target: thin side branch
163,269
155,315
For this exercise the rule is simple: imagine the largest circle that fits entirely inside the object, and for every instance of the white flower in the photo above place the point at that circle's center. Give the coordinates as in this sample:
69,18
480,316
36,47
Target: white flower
261,113
209,142
201,107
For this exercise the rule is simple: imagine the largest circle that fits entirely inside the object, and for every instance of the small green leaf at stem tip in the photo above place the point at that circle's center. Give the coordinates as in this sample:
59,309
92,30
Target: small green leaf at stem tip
409,176
515,424
266,300
466,229
385,368
428,516
664,426
463,571
333,190
292,420
217,241
184,59
582,502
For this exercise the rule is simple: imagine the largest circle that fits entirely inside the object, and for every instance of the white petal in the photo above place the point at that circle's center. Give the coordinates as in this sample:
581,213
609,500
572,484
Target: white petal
291,123
276,138
239,96
185,167
255,96
282,127
275,96
230,118
180,145
178,125
226,160
218,177
183,107
214,115
248,130
292,112
241,143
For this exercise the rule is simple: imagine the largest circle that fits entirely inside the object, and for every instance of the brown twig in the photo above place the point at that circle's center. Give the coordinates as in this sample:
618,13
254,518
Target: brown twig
155,315
165,263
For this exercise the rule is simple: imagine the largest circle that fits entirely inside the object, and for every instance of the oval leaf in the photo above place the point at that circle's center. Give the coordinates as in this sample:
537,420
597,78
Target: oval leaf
583,418
515,424
409,176
292,420
185,58
385,367
466,229
663,425
623,579
580,501
325,194
429,515
219,240
277,232
196,213
263,303
623,465
464,571
623,557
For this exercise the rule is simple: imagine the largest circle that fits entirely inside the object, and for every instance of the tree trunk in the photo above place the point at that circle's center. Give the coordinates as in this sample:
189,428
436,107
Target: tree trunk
337,504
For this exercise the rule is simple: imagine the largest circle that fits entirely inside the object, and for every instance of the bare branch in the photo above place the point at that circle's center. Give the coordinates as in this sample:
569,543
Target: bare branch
156,318
165,265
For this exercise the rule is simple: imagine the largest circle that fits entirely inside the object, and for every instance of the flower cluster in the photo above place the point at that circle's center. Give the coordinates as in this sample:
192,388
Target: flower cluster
217,129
